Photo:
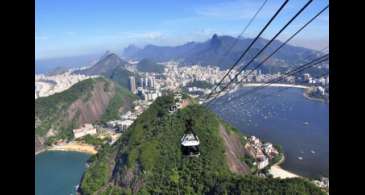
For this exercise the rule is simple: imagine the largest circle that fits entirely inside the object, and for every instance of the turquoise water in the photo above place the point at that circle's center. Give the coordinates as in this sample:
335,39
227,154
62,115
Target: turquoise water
285,117
57,173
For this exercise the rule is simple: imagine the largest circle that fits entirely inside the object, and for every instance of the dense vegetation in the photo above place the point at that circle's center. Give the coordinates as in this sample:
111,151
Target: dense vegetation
121,99
149,160
199,84
99,170
120,75
49,110
52,112
147,65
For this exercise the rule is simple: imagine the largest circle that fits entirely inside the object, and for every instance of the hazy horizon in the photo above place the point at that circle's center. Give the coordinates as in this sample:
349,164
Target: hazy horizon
73,28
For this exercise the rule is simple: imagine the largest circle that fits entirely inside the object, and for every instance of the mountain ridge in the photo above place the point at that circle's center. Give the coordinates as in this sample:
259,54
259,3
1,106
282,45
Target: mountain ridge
111,66
212,51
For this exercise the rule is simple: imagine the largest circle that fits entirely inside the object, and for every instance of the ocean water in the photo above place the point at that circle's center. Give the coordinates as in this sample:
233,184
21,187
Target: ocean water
283,116
57,173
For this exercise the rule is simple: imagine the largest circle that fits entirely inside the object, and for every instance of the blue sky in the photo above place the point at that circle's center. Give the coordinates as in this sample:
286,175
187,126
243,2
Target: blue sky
77,27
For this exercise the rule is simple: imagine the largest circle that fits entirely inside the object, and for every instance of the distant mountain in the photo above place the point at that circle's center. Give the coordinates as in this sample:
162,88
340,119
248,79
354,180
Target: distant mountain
88,101
212,52
105,66
112,67
148,65
131,50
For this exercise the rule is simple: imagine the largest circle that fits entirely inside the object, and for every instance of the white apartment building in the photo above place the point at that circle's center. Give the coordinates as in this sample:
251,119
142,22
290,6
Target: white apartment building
262,162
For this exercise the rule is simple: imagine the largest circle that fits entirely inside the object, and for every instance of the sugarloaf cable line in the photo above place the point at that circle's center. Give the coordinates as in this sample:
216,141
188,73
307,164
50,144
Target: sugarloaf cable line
306,58
268,84
242,32
268,95
288,73
251,44
266,45
284,43
279,91
292,72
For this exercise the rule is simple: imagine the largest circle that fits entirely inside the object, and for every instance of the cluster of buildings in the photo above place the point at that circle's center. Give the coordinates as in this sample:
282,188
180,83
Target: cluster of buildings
320,86
323,81
49,85
262,153
179,103
86,129
179,76
129,117
148,87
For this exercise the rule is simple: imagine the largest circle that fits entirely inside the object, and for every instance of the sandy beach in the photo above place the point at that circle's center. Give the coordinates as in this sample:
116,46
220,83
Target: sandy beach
74,146
279,172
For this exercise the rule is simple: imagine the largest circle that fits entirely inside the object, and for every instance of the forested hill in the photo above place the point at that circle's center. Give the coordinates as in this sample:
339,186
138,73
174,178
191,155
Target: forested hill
112,67
147,160
88,101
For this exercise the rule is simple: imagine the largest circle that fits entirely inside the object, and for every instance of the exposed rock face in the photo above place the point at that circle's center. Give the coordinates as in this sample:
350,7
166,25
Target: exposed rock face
73,108
38,144
91,110
234,150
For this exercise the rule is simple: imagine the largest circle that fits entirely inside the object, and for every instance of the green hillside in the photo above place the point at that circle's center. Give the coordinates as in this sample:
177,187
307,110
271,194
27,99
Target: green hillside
87,101
147,65
147,160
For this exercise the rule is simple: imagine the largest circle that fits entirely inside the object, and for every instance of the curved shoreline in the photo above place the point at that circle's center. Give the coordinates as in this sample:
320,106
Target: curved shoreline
279,172
274,85
313,98
71,147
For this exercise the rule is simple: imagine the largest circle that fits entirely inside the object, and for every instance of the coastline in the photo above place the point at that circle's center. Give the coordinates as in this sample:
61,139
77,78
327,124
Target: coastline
40,151
281,173
275,85
71,147
313,98
260,84
305,88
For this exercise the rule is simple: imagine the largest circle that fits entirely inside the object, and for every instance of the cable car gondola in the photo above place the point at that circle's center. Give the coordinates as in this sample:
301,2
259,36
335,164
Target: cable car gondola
190,142
173,108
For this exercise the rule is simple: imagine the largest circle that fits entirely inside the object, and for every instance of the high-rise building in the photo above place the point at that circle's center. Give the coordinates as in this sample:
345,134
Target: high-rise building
132,84
307,77
152,82
141,82
146,82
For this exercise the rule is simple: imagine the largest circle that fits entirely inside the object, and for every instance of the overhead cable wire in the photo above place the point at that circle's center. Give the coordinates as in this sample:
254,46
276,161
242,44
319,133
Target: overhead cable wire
289,73
266,45
251,44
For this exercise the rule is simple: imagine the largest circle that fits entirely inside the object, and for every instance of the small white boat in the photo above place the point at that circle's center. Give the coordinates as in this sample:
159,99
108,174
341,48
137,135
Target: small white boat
306,123
300,158
313,152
